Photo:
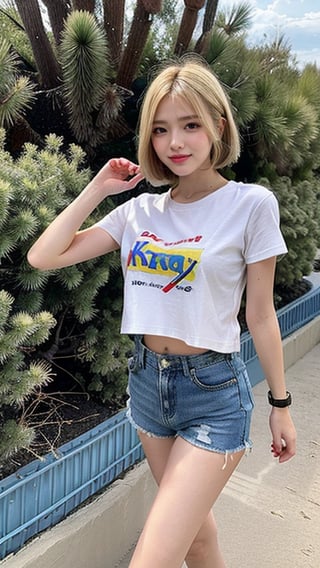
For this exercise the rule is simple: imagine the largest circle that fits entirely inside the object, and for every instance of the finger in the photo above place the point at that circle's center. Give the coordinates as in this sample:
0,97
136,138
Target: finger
133,169
288,451
277,445
122,165
128,165
114,163
274,451
286,455
133,182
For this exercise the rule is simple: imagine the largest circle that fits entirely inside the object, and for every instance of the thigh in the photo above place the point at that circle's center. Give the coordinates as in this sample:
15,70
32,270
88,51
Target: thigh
190,483
193,479
157,451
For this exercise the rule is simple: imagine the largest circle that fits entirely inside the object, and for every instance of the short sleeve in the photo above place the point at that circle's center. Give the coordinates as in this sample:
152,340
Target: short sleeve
263,237
114,223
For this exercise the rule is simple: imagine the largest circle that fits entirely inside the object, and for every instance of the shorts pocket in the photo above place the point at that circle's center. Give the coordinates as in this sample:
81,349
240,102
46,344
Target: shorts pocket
215,377
133,364
245,388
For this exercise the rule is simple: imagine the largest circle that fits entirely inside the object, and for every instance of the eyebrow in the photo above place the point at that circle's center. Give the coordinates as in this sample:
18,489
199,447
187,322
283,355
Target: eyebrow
181,119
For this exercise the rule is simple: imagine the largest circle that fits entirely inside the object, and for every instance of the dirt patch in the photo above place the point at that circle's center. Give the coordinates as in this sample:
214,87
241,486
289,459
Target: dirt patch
58,418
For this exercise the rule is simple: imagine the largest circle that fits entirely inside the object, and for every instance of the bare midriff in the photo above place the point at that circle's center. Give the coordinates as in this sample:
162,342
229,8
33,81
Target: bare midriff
171,346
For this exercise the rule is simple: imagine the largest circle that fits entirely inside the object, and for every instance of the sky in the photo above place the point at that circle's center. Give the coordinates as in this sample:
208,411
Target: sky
297,20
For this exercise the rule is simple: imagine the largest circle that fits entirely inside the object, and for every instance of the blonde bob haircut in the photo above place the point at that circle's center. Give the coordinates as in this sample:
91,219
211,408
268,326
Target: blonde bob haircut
192,80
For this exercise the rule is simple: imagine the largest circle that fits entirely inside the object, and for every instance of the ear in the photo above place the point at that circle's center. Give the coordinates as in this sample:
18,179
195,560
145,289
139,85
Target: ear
221,125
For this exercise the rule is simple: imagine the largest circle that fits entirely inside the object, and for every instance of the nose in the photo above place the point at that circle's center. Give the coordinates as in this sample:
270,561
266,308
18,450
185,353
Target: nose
176,140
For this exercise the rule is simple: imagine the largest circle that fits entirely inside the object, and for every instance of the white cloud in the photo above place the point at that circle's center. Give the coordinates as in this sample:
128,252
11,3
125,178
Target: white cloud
298,21
308,56
310,22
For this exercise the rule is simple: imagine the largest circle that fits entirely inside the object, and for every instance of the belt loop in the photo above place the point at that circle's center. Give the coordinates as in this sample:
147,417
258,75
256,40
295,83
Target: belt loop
143,355
142,352
185,365
139,350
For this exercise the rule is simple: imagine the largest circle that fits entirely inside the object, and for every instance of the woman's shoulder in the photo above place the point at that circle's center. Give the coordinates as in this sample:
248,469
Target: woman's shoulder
252,189
148,200
252,194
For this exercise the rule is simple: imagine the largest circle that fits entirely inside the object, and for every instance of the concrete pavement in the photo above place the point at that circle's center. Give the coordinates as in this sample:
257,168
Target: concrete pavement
269,514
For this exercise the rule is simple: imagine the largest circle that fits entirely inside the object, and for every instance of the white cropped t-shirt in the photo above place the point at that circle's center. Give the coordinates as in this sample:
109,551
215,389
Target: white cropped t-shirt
184,264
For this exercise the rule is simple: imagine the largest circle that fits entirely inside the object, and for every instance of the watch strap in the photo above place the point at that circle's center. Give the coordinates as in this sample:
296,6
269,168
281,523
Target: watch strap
280,402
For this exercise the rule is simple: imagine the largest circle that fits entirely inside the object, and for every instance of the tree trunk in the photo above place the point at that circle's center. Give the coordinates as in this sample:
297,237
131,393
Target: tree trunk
86,5
58,11
187,25
113,25
141,23
209,15
47,64
208,21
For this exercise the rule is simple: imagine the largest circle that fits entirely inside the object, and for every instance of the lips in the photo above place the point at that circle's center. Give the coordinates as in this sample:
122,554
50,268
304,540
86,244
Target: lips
180,158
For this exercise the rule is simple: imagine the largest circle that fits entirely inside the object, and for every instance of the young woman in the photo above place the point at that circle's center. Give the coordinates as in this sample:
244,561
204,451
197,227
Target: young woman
187,255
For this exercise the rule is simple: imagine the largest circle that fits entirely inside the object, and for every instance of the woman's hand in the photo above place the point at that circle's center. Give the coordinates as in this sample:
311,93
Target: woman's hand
116,176
283,434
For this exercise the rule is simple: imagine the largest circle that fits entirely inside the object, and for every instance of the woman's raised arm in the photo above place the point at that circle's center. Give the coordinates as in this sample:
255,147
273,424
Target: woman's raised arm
63,243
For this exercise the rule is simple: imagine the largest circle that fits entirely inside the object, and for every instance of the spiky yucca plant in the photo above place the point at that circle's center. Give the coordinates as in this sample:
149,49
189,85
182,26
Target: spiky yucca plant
93,103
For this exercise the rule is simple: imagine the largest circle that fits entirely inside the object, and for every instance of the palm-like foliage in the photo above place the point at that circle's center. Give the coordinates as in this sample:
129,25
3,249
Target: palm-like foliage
13,31
269,122
309,85
285,127
302,130
228,59
84,60
236,19
16,92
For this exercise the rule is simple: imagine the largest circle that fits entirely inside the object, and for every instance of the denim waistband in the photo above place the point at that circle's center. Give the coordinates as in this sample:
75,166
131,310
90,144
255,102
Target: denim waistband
186,362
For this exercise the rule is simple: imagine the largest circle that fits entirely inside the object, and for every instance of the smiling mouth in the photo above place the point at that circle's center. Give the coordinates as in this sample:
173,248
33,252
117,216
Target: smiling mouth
179,158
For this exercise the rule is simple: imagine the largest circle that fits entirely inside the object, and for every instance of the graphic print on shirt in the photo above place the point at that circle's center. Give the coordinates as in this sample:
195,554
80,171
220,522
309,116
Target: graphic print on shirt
156,257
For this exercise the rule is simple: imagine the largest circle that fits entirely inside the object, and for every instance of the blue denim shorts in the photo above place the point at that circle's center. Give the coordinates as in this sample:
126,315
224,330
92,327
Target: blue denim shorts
205,399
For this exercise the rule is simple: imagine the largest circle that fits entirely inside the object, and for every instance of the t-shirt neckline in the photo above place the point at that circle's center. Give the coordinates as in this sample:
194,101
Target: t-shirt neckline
199,202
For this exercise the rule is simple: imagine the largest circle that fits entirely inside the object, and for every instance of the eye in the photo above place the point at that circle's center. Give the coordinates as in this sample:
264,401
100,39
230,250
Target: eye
158,130
192,126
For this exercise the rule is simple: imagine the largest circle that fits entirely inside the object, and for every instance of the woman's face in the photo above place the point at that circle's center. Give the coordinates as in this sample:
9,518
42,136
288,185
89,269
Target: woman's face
179,138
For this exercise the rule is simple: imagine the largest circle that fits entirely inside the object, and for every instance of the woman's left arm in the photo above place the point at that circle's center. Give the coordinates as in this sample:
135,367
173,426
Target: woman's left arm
263,325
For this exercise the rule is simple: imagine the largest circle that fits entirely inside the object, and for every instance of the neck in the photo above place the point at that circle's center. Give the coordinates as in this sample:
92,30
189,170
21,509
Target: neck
189,190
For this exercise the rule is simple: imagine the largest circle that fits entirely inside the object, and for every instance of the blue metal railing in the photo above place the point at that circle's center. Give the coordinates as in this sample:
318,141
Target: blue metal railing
42,493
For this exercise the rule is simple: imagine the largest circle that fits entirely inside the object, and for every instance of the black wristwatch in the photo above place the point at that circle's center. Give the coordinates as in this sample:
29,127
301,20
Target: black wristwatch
280,402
